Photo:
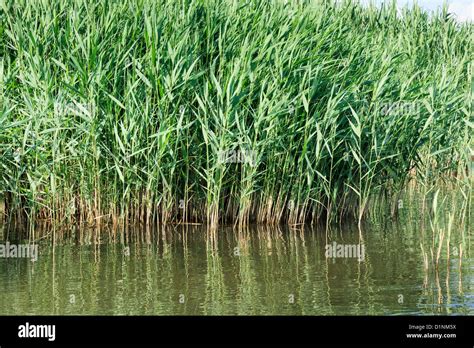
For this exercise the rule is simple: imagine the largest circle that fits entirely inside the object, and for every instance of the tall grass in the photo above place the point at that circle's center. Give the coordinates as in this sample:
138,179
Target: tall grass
226,111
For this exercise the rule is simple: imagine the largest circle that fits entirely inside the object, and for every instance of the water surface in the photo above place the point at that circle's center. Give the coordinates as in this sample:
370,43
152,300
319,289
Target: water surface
260,270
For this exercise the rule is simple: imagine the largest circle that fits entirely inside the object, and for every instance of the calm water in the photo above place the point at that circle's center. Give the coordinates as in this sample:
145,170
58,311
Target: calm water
256,271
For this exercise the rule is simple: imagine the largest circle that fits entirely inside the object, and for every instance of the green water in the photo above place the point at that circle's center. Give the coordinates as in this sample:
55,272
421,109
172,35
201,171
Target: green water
187,271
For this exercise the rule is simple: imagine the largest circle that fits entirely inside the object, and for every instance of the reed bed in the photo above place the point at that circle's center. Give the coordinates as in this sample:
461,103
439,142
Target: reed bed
226,111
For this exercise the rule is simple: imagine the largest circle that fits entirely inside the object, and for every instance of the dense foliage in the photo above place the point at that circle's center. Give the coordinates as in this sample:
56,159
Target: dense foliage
226,111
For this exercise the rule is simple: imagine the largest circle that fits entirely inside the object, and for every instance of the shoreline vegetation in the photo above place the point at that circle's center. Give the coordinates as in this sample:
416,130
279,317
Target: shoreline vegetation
230,112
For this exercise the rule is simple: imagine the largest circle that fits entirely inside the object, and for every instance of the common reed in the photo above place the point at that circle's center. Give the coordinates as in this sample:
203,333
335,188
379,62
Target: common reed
225,111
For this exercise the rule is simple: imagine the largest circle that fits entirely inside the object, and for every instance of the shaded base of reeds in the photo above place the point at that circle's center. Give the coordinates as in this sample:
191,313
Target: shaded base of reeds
144,211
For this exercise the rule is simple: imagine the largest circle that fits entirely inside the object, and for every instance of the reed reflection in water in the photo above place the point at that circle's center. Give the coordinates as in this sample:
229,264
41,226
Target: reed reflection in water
186,270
